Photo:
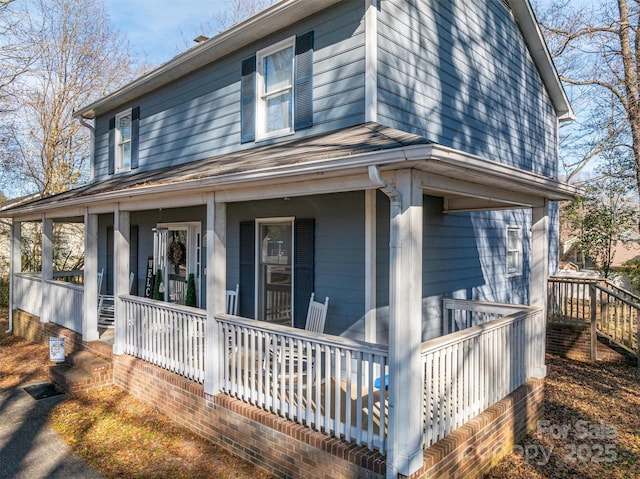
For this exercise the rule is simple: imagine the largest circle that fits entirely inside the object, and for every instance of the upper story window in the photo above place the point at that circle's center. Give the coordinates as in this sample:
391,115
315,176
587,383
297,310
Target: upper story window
123,141
514,251
275,90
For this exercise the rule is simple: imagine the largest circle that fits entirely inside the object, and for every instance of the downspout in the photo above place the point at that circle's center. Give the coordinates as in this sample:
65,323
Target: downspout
92,143
395,203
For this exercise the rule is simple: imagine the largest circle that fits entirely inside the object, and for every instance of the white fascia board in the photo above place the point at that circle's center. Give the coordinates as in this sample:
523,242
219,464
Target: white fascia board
530,28
425,157
442,155
270,20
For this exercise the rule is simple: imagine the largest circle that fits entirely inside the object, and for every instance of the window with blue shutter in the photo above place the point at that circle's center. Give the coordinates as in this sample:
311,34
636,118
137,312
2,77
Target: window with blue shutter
277,89
124,141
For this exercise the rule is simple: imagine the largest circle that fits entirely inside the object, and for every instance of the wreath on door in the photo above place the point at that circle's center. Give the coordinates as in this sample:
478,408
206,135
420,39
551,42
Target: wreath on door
177,252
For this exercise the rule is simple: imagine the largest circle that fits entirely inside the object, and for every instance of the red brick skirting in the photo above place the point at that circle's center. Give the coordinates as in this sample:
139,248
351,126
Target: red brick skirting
573,341
471,450
281,447
290,450
29,327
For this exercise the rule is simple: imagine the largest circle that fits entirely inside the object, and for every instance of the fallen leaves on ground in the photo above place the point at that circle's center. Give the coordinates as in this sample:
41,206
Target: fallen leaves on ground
117,434
590,428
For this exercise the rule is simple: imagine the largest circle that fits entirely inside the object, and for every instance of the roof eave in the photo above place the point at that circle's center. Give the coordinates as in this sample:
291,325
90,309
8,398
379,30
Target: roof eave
270,20
530,28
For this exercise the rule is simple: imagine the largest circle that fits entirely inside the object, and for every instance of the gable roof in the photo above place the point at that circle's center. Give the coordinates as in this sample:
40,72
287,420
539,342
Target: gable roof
286,12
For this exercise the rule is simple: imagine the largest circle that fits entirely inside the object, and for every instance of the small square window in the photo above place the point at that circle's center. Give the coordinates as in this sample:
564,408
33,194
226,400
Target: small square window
123,141
275,90
514,251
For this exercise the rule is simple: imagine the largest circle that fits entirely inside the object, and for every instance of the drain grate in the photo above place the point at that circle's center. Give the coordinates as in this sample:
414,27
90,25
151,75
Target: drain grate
41,391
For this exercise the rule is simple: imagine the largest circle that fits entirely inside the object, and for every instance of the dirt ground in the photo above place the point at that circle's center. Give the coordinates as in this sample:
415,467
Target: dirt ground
590,429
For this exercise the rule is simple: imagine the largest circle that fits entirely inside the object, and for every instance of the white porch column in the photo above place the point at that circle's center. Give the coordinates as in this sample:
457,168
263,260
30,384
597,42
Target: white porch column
121,233
539,277
15,265
90,306
46,311
405,327
216,290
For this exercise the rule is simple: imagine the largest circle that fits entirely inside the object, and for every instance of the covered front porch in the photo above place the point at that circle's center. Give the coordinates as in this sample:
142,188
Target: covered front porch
406,340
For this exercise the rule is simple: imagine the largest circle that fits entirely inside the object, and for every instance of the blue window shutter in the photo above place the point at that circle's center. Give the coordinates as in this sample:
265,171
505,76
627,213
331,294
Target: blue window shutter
111,166
247,269
248,101
304,233
135,136
303,89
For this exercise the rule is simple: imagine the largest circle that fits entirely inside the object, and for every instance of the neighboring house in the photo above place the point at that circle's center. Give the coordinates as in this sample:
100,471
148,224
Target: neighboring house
397,157
626,248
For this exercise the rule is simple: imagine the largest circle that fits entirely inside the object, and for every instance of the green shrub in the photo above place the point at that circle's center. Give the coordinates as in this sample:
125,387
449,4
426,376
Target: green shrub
156,286
190,299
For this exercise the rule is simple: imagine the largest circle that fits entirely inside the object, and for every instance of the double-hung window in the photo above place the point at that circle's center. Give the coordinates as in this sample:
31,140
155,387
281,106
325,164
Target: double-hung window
275,90
514,251
123,141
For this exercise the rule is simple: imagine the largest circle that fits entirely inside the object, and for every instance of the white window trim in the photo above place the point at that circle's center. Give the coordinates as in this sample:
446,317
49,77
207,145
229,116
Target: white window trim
194,249
518,270
261,134
257,249
118,143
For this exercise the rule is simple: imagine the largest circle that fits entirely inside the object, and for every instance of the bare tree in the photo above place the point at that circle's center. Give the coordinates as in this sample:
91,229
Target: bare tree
235,11
595,48
78,57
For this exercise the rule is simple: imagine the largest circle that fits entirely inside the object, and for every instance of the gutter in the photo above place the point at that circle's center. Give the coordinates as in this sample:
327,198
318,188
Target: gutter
417,155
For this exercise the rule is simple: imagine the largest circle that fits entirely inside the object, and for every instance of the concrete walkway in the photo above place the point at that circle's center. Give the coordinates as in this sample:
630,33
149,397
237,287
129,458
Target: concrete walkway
29,449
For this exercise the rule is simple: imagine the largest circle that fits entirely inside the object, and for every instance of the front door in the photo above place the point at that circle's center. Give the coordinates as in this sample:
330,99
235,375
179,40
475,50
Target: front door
275,274
182,249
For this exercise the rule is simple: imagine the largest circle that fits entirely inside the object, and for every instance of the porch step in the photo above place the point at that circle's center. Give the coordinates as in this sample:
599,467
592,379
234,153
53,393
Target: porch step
82,372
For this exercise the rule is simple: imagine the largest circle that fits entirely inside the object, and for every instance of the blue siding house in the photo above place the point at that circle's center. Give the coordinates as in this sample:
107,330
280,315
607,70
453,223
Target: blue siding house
398,157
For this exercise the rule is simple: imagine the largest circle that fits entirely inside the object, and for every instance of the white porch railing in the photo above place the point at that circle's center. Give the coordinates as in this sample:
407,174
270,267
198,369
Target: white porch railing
67,304
168,335
461,314
27,289
324,382
466,372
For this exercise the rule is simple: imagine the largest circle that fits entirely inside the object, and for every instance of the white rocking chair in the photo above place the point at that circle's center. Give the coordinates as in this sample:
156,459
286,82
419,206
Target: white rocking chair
232,301
316,318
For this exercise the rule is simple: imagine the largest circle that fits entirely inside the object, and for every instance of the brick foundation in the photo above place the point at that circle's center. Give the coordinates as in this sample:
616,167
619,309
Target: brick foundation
573,341
289,450
471,450
29,327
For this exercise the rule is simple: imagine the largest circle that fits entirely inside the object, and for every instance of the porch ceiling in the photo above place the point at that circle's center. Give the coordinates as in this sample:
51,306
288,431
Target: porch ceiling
332,162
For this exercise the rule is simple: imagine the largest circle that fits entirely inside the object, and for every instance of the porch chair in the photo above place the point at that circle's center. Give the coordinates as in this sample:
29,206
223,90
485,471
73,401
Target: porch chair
232,301
316,318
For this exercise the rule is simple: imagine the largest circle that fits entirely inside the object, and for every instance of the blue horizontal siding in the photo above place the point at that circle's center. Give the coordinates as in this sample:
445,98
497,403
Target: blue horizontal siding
460,74
338,256
198,115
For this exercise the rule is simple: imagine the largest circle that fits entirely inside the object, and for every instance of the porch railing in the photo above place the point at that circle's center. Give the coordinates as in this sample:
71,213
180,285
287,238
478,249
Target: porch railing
67,300
324,382
27,289
461,314
466,372
612,311
165,334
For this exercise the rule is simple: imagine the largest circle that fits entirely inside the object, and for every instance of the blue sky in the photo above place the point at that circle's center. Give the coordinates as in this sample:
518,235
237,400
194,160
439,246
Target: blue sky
159,29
